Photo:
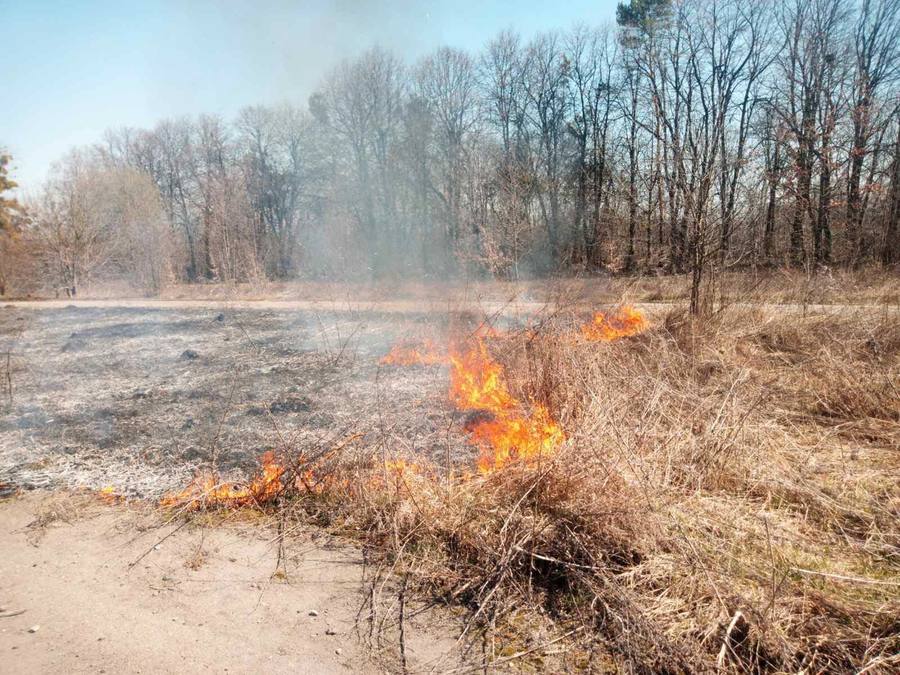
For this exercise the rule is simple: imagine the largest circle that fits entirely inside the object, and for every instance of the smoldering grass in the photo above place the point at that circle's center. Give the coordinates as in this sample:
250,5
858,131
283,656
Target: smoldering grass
726,499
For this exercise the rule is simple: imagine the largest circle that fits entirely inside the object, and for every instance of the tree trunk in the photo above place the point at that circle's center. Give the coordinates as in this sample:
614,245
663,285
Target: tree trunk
801,208
854,195
822,234
890,251
632,182
769,234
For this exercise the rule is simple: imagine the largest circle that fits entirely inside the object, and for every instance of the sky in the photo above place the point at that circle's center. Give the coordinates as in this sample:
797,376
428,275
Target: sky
74,68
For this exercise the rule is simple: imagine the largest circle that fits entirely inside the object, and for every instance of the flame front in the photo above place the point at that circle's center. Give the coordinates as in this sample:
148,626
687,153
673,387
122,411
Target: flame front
626,322
508,431
477,383
476,380
207,490
426,353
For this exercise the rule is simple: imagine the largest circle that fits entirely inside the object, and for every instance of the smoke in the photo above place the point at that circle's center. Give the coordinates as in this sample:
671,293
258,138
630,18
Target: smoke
280,50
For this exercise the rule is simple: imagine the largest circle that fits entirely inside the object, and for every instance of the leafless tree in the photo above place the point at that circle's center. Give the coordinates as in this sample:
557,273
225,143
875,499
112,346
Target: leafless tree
92,220
876,63
446,83
692,136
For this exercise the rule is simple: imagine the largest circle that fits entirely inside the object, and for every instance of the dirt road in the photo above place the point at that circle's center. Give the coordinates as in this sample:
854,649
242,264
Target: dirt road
207,599
513,307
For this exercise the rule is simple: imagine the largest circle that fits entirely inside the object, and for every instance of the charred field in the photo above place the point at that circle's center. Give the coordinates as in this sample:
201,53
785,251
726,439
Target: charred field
141,399
642,490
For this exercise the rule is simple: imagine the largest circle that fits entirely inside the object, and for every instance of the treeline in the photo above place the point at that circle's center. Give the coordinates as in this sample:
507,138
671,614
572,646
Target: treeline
691,133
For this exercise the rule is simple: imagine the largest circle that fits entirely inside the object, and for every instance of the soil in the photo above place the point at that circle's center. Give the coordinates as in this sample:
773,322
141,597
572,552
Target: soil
207,599
136,401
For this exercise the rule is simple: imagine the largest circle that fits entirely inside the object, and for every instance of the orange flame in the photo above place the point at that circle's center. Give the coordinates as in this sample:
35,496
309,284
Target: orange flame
109,495
477,383
401,466
410,354
626,322
506,434
207,490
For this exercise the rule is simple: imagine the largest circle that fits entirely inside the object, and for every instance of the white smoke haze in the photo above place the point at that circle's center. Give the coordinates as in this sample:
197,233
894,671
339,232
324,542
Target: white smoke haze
364,149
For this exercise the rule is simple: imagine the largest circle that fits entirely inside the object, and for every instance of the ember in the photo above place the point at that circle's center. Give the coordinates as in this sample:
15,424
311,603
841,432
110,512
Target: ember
626,322
109,495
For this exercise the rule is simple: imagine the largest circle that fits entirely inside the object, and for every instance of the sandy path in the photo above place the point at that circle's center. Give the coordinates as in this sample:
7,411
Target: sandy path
513,307
375,306
204,601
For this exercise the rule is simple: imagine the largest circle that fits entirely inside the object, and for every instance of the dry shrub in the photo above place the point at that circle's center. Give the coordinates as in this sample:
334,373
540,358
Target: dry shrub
550,540
726,498
764,446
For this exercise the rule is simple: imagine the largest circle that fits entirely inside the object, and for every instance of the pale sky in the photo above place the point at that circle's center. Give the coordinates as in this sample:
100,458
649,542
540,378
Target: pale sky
73,68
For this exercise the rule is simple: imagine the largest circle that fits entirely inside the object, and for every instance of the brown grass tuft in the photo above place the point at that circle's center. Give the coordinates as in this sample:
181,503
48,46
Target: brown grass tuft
726,500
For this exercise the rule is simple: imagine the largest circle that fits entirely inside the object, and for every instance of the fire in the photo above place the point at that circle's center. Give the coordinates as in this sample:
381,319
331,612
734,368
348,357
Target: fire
506,430
109,495
510,437
207,490
427,353
626,322
477,382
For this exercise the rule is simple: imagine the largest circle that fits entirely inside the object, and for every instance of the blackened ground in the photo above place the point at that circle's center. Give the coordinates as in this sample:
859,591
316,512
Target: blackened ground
140,398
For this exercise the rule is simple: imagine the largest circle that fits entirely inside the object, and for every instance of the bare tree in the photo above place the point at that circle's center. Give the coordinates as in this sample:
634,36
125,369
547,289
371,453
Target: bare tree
693,136
876,52
362,103
890,246
546,77
446,82
93,221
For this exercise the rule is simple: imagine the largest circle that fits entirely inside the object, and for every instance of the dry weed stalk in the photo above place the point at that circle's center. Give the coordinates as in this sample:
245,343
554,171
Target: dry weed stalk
726,499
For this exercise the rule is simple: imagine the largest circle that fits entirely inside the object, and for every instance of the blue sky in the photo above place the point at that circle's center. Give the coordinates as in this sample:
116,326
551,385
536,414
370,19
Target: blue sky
75,68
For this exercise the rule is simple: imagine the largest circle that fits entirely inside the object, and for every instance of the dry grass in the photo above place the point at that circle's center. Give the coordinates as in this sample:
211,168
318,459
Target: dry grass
727,499
871,286
765,451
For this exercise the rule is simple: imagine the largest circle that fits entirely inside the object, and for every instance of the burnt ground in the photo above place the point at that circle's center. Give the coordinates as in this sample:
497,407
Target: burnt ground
141,398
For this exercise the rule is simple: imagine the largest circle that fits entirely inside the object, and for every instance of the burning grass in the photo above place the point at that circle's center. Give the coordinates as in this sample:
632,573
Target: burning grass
717,495
626,322
425,353
504,432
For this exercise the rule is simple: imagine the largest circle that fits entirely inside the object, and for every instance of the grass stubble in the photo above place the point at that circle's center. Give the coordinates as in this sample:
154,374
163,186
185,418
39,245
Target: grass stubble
727,499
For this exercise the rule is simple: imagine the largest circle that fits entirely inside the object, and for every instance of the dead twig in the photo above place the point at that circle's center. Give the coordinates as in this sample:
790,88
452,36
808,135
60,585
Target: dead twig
157,543
6,615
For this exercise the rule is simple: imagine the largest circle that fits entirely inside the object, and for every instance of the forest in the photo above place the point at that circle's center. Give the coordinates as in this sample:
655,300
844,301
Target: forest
688,136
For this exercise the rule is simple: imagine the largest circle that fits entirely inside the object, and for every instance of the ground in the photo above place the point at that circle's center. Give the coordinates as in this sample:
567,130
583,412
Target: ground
137,399
760,441
101,593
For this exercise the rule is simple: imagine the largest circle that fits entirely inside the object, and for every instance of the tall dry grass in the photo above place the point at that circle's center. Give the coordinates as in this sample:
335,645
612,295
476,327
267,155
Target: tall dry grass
761,450
728,497
727,500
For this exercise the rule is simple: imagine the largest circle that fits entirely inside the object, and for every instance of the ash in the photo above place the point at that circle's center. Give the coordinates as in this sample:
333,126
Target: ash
142,399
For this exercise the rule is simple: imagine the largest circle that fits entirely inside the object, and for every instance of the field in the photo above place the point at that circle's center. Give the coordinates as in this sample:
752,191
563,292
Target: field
703,494
139,398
